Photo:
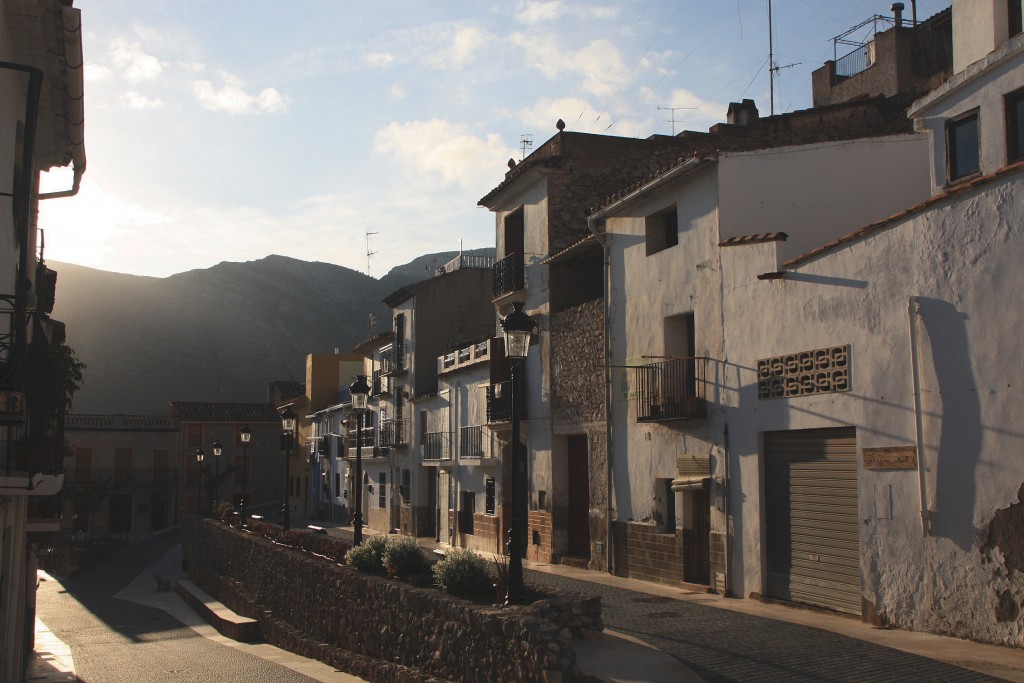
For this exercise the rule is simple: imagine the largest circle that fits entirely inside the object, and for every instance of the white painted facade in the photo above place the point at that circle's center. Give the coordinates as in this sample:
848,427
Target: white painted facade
933,290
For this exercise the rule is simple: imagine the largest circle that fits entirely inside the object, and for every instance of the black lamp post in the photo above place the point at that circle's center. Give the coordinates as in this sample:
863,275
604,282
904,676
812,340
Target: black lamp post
360,391
288,427
217,450
245,433
518,327
199,459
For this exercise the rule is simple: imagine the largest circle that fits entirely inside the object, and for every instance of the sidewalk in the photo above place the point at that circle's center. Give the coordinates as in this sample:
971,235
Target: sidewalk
51,661
1001,662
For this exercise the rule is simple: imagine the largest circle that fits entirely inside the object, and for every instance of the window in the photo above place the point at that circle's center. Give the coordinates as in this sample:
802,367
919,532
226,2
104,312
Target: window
1015,126
1013,15
662,231
406,485
195,436
382,482
963,145
489,496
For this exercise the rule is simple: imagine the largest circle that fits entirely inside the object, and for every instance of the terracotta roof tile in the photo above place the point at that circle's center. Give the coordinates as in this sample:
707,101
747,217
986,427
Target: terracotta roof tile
192,411
754,239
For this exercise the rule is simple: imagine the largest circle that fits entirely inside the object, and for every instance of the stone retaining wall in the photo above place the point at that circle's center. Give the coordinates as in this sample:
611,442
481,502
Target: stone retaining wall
383,629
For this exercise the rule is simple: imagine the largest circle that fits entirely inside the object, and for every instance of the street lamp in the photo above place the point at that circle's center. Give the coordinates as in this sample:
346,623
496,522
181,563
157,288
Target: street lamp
288,427
199,459
245,433
360,391
217,450
518,327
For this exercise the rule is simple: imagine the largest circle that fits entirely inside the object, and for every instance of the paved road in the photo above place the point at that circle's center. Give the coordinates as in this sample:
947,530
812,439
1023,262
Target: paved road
115,641
723,646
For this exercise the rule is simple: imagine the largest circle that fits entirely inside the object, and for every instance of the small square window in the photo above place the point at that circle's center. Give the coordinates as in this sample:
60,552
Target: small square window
1015,126
662,231
963,146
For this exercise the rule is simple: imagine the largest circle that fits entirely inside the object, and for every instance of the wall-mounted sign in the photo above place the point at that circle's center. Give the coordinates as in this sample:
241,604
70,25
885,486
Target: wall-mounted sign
890,458
12,407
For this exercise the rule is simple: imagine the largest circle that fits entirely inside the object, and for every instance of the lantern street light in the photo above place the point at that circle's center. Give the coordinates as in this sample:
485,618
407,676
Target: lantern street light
217,450
288,427
518,327
360,391
199,459
245,433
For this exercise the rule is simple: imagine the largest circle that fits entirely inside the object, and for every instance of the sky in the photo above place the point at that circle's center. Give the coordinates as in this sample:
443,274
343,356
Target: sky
222,130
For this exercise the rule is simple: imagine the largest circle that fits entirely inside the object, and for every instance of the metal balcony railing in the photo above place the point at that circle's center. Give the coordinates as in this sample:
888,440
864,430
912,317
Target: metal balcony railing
436,446
124,477
392,433
465,261
392,359
508,275
499,402
475,443
671,390
855,62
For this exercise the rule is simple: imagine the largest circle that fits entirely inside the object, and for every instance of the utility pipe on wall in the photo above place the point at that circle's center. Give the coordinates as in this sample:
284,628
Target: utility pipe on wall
913,313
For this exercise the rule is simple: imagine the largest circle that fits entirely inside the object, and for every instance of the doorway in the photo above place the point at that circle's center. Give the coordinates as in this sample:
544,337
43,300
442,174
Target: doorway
579,496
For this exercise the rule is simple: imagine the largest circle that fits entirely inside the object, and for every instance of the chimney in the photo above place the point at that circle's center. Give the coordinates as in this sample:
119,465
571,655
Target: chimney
897,13
742,113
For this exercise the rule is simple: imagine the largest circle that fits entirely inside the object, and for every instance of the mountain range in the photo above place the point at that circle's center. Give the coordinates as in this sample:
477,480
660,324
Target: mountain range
216,334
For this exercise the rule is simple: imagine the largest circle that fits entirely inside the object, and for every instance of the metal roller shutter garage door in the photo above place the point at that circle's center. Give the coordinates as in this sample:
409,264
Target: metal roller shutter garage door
813,543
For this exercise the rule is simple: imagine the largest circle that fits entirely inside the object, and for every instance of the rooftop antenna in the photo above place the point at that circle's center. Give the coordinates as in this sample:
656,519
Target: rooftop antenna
673,119
525,143
773,67
369,254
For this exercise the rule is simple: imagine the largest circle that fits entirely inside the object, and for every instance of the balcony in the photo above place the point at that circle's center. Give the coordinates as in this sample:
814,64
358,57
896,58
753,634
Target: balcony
475,444
465,261
118,478
392,359
364,440
392,433
508,275
671,390
436,447
499,403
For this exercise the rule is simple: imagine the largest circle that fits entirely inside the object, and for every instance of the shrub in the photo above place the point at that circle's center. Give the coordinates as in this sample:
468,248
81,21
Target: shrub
402,558
464,574
223,510
368,556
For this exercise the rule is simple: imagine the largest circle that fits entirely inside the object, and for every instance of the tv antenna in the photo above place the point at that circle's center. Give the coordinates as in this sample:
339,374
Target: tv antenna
673,119
525,143
372,322
773,66
369,254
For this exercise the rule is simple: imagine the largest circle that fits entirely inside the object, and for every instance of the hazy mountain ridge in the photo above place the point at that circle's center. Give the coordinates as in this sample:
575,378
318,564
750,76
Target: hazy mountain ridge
215,334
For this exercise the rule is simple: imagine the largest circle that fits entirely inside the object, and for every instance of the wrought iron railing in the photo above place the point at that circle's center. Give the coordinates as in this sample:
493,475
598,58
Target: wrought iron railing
671,390
436,446
508,275
855,62
499,402
167,476
392,432
392,359
475,443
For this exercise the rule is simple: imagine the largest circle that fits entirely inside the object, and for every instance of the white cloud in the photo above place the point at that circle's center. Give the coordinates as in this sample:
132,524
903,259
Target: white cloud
192,66
135,100
96,73
599,62
543,115
233,99
397,91
134,64
535,12
465,43
379,59
444,149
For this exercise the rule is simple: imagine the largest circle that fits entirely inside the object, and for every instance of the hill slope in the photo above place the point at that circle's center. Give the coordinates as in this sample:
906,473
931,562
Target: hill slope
218,334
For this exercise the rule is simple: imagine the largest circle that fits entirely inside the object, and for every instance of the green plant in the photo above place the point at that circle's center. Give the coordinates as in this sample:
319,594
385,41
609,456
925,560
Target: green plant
368,556
464,574
501,569
402,558
223,510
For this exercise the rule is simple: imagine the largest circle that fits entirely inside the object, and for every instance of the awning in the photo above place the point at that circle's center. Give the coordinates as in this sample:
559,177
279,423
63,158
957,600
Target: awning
690,483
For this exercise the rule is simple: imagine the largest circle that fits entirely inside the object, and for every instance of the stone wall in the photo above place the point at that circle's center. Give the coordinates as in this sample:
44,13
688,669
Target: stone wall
383,629
577,352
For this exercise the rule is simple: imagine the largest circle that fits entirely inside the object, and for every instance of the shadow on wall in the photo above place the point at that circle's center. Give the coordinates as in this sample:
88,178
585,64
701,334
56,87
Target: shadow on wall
959,450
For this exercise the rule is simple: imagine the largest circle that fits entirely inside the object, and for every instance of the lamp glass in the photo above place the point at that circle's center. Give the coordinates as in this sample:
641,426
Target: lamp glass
217,449
245,433
517,342
199,455
360,392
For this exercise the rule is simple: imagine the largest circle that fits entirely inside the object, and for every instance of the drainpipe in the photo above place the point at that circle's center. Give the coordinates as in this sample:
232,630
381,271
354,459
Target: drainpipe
73,47
606,276
914,312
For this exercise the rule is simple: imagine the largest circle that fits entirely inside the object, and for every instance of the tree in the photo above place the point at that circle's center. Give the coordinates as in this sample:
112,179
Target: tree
65,376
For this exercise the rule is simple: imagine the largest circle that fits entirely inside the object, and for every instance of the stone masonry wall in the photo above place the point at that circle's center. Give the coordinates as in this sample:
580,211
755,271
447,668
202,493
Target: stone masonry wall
577,348
383,629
